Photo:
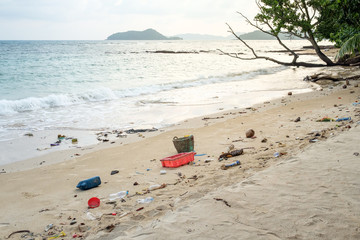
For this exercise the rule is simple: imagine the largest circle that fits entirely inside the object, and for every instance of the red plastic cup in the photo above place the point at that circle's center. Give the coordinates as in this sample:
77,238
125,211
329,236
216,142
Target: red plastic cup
94,202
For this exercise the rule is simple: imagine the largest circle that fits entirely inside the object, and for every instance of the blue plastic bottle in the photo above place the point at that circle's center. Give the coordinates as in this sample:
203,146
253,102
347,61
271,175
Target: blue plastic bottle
89,183
233,164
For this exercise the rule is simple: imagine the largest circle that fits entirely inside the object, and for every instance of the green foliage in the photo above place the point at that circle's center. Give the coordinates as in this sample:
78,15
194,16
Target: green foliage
351,46
339,20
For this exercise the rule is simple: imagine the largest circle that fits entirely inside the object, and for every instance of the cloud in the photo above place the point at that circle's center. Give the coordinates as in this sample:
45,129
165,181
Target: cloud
96,19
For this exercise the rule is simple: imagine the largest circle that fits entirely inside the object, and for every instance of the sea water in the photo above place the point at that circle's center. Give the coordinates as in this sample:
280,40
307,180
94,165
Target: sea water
89,86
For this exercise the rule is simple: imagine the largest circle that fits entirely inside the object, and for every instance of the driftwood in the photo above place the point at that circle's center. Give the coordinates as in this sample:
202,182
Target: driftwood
323,76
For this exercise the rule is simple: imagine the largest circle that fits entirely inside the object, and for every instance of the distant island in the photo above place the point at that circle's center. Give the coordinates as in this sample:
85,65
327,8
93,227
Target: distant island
148,34
151,34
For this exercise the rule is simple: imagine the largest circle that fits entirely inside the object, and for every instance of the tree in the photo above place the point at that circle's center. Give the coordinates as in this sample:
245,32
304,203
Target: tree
293,17
338,20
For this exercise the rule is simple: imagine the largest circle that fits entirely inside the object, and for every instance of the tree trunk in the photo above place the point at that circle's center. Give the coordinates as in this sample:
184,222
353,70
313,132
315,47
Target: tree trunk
321,55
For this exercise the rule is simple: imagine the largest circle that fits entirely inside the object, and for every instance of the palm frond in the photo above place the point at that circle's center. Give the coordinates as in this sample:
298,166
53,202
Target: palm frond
349,47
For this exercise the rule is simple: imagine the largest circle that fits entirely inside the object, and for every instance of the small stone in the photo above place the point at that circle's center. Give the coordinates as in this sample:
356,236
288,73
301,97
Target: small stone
289,93
250,133
297,119
344,86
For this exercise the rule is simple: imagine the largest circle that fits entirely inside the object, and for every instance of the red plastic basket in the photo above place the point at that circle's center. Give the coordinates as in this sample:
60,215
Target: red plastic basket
178,160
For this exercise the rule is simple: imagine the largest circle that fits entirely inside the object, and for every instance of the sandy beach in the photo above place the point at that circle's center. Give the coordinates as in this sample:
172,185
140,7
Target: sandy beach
297,178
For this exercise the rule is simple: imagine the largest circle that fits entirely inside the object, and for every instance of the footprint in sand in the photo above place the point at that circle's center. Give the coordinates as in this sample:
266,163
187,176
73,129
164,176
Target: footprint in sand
29,195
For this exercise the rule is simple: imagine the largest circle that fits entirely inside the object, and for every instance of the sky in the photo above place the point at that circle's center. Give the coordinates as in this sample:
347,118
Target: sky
98,19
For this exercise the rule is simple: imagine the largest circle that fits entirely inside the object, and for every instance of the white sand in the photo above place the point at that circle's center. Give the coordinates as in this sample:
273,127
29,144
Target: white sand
314,195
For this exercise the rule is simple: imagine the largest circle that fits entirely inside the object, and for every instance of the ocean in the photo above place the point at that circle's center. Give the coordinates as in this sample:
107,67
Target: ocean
91,86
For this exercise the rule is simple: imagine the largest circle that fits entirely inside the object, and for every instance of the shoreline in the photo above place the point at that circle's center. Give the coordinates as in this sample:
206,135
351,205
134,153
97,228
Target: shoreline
45,193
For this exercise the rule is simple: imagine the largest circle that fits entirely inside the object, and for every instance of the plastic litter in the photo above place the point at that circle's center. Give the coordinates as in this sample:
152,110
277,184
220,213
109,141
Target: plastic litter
118,195
48,227
146,200
89,183
343,119
277,154
162,172
61,234
224,167
90,216
94,202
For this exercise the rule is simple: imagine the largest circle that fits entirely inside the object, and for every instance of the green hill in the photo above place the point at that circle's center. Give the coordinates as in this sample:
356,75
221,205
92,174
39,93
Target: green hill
149,34
259,35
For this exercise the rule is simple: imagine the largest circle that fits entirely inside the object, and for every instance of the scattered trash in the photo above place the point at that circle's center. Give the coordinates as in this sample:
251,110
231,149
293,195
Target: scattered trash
148,169
94,202
132,131
21,231
118,195
89,183
60,137
139,173
48,227
313,140
61,234
184,144
326,119
264,140
162,172
29,134
73,221
139,209
356,103
90,216
110,227
224,167
199,155
136,183
277,154
113,172
289,93
343,119
233,153
156,186
208,160
297,119
356,154
224,201
74,140
146,200
250,133
178,160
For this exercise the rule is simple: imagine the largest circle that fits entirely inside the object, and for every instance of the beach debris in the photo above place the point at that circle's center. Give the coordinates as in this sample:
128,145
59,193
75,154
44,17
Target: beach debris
89,183
113,172
356,103
199,155
184,144
162,172
90,216
48,227
343,119
145,200
250,133
20,231
225,167
73,221
110,227
356,154
29,134
139,209
136,183
222,200
225,156
208,118
313,140
93,202
277,154
61,234
326,119
155,187
297,119
264,140
208,160
132,131
289,93
118,195
74,140
60,137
